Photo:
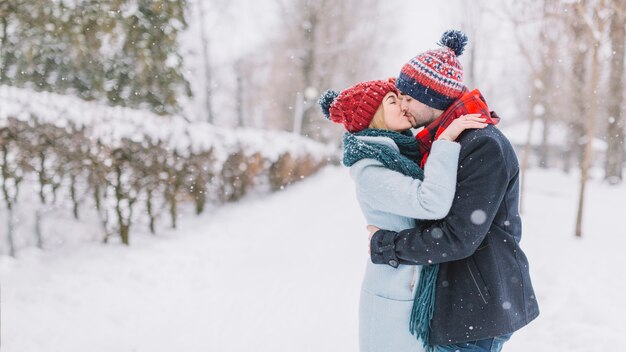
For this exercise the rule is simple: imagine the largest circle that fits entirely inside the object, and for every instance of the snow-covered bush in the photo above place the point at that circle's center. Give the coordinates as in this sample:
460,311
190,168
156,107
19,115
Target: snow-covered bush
134,167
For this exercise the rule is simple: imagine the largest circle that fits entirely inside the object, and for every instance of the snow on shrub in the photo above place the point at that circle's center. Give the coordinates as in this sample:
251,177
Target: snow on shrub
119,159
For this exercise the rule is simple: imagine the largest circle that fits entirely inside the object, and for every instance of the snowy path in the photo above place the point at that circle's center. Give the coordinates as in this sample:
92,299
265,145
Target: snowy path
282,273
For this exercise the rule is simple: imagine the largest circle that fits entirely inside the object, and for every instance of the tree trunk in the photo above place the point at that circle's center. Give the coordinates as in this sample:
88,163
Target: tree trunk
239,92
3,49
150,212
595,32
104,222
96,197
528,146
38,227
11,229
577,127
8,198
615,131
544,149
170,196
547,97
471,77
208,88
74,196
124,233
41,176
173,209
308,67
40,211
120,198
588,150
471,20
199,192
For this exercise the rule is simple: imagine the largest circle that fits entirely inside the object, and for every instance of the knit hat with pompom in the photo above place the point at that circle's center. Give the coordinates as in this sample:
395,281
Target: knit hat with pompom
355,107
435,77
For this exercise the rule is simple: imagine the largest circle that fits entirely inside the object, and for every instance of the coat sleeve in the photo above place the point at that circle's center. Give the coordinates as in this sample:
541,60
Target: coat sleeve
483,180
392,192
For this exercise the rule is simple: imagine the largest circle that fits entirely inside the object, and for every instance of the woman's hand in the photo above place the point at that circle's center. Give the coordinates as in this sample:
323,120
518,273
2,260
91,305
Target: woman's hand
372,230
459,125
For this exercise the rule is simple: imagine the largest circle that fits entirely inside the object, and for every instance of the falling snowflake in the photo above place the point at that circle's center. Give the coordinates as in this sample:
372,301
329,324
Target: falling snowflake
478,217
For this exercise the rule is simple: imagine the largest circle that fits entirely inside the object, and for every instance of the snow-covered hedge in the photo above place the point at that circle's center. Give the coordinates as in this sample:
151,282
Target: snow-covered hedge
116,158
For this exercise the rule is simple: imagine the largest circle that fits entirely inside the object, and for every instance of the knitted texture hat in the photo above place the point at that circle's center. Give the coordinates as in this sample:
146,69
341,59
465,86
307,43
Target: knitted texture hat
355,107
435,77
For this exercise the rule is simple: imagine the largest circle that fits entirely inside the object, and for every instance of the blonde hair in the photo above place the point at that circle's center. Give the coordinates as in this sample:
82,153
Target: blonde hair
378,121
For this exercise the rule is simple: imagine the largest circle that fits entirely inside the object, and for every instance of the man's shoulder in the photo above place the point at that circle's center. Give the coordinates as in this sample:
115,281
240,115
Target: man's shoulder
488,136
488,141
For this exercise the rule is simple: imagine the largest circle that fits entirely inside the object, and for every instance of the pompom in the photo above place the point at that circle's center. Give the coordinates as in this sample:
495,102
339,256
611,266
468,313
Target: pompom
455,40
326,100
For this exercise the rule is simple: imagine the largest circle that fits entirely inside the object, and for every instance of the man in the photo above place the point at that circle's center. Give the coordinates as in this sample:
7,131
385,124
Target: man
483,291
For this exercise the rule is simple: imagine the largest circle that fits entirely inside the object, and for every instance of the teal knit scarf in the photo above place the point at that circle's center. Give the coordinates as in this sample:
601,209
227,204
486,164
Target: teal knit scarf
404,162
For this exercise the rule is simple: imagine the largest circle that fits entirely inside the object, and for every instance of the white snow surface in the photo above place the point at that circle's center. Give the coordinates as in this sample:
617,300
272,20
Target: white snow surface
282,273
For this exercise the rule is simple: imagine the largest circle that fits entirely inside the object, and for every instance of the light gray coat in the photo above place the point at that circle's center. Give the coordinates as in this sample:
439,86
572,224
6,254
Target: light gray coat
392,201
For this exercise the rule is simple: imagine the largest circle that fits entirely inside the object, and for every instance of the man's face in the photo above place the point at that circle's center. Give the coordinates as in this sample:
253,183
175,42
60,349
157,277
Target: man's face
418,113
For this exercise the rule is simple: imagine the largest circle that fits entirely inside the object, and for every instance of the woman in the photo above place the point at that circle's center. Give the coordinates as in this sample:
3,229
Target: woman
382,155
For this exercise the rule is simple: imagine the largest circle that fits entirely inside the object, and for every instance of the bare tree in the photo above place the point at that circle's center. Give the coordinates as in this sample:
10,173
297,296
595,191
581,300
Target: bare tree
208,76
12,176
615,129
252,84
539,59
73,150
126,182
595,23
176,167
471,19
208,12
45,162
151,172
579,46
322,47
239,92
551,29
550,86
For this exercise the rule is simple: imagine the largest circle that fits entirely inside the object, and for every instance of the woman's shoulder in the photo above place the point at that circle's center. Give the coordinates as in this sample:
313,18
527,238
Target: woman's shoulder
358,169
368,165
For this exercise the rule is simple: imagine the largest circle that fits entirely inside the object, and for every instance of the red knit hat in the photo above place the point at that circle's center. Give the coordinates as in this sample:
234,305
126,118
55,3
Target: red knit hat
435,77
355,107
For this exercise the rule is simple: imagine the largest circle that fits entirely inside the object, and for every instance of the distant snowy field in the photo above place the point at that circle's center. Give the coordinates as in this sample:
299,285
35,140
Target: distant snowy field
282,273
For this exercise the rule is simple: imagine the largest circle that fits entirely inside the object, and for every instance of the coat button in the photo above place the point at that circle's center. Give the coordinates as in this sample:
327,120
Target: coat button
393,263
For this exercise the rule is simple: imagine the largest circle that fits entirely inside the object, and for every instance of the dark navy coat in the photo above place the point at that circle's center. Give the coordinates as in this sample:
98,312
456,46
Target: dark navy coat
483,287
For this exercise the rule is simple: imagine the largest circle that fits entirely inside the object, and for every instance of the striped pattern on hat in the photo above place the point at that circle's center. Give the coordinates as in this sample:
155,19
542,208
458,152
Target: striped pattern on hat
435,77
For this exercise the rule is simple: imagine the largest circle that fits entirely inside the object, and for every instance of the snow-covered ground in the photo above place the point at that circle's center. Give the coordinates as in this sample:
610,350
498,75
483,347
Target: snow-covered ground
282,273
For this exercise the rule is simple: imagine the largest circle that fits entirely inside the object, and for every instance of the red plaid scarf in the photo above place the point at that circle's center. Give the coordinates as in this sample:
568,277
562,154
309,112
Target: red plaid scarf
469,103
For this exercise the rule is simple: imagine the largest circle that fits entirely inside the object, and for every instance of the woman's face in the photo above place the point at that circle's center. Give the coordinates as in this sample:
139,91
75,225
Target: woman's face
394,116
